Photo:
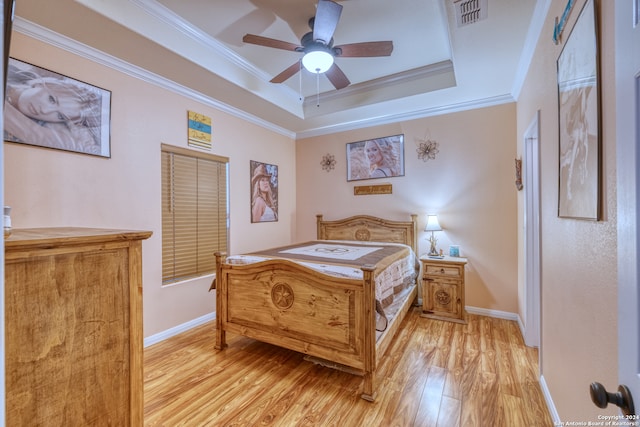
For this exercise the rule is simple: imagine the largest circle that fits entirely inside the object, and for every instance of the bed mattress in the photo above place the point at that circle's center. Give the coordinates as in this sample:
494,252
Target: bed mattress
396,264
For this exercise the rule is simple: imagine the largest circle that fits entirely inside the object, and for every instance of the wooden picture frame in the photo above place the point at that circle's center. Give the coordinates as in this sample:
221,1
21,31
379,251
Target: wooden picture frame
375,158
264,191
579,188
48,109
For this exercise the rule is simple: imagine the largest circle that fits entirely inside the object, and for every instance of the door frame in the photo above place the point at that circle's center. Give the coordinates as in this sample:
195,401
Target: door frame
627,34
532,286
3,17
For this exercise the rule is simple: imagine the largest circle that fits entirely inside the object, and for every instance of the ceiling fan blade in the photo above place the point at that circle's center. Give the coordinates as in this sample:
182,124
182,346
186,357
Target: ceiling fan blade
266,41
364,49
337,77
326,20
286,74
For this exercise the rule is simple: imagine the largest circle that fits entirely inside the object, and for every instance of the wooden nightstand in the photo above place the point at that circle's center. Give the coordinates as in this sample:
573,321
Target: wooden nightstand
443,288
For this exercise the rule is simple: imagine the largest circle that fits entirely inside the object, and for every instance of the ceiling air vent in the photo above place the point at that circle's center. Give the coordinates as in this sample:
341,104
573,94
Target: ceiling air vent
470,11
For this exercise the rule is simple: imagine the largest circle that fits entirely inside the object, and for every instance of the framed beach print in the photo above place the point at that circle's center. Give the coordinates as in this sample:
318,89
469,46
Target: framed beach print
579,120
264,192
47,109
375,158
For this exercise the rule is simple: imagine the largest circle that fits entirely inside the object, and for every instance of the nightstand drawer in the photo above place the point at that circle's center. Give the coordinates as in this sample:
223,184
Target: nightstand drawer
442,270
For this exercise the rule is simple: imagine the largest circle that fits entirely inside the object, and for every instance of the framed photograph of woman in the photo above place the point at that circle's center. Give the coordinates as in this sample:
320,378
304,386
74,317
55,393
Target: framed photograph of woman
47,109
579,120
375,158
264,192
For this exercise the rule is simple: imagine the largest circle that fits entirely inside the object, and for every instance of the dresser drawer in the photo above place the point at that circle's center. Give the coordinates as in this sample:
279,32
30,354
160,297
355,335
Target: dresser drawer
443,270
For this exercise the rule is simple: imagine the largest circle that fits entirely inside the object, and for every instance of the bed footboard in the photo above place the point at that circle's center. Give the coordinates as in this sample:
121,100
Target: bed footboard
291,306
286,304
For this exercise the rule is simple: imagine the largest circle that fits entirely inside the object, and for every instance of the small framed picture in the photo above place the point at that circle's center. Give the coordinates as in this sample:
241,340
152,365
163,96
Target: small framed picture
47,109
264,192
454,250
375,158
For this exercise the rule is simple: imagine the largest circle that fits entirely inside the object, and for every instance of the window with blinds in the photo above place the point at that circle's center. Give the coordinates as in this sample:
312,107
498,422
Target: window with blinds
194,212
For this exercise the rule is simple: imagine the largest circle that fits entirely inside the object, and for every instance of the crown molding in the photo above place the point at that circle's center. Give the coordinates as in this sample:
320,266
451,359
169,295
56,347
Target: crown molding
533,35
170,18
165,15
65,43
384,82
406,116
52,38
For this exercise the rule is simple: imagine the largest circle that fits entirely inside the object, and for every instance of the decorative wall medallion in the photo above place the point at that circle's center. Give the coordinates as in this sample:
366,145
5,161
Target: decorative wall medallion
282,296
328,162
443,297
427,149
362,234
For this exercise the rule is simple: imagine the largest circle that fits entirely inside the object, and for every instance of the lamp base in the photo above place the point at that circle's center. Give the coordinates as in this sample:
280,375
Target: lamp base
434,254
433,250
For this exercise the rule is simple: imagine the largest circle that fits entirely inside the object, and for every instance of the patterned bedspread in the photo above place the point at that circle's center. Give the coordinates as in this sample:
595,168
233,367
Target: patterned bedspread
396,264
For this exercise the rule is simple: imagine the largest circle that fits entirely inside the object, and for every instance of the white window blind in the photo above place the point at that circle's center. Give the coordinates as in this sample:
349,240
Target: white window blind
194,212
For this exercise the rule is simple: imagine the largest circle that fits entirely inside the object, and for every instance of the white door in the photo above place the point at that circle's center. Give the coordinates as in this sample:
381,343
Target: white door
531,177
627,49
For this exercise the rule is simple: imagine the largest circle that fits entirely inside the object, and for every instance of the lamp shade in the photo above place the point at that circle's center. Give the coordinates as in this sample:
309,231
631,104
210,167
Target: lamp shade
317,61
432,223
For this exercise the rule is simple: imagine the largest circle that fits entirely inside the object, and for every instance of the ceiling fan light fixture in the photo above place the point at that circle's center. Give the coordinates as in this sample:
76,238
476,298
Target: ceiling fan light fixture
317,61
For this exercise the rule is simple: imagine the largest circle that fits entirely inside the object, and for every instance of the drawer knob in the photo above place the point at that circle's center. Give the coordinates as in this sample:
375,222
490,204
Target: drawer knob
442,271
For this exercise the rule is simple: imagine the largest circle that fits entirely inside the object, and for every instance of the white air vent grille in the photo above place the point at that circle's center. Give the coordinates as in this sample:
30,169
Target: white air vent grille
470,11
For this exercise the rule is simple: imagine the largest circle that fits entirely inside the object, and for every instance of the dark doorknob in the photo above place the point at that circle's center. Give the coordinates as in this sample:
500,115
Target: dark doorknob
601,397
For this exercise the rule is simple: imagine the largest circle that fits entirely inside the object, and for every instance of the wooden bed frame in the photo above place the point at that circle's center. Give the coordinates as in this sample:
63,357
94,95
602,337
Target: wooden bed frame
326,317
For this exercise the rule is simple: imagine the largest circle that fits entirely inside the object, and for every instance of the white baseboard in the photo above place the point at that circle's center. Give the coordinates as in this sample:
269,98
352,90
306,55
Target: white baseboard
161,336
521,326
153,339
492,313
547,397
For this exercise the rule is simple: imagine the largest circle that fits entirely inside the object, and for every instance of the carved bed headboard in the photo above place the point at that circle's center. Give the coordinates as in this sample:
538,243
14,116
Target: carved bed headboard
369,228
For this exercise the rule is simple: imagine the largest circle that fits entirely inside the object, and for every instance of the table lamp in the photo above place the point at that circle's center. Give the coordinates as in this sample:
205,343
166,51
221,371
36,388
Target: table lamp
433,225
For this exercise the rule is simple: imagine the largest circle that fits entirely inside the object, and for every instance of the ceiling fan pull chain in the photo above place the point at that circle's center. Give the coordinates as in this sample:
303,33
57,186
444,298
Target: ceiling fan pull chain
317,89
300,79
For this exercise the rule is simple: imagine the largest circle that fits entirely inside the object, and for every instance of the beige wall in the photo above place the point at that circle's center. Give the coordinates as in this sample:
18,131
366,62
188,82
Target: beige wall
54,188
470,185
579,275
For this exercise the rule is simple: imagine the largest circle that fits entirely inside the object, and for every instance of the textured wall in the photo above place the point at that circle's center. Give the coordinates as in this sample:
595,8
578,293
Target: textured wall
469,185
55,188
579,273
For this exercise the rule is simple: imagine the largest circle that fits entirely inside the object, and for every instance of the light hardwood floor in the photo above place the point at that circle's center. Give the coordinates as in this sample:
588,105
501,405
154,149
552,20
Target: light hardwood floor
436,373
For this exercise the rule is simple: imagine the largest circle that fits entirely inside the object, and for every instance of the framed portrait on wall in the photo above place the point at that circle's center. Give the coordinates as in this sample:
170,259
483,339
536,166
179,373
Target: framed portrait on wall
375,158
264,192
579,120
47,109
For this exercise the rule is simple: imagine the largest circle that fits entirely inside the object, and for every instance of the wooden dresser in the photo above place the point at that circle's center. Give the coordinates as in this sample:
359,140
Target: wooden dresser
74,327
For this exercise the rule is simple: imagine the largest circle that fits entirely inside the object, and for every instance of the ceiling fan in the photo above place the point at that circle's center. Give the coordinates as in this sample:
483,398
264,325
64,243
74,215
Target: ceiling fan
317,46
